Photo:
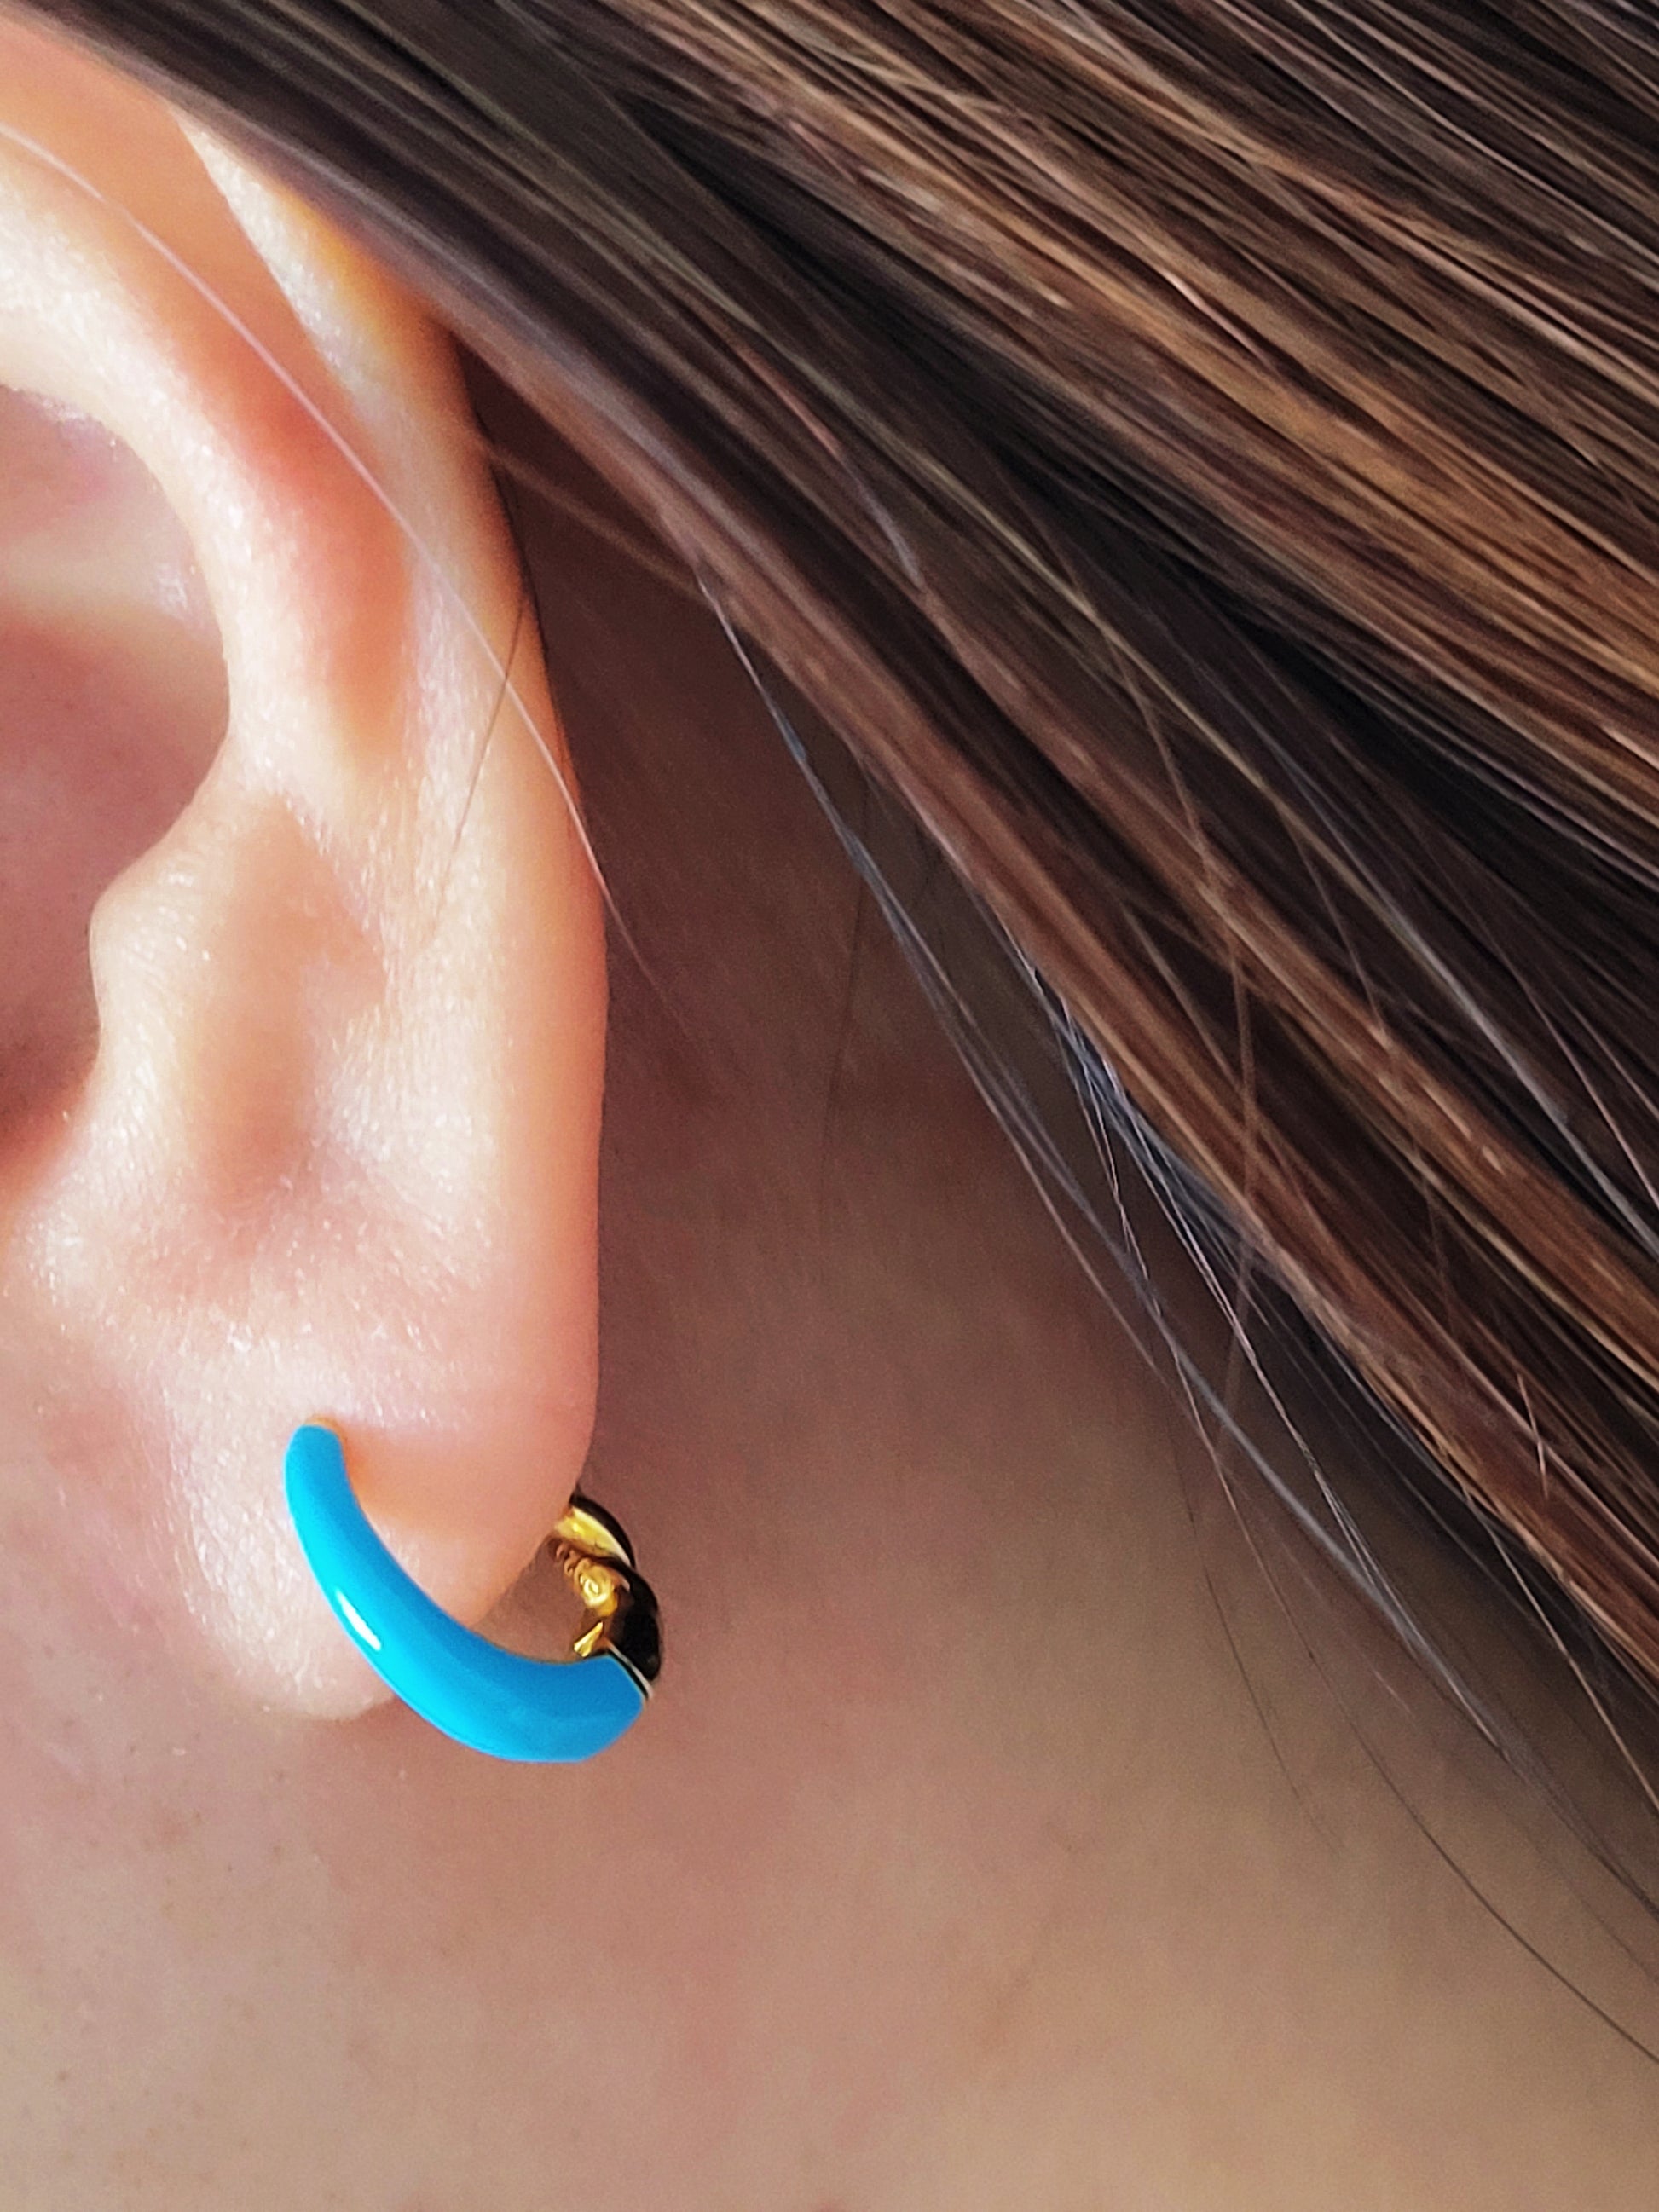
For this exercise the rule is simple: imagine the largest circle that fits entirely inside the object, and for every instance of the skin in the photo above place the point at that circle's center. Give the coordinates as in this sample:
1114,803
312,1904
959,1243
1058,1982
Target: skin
956,1864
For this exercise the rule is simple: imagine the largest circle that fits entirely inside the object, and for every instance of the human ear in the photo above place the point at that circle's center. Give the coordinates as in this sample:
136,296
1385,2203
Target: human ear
331,1151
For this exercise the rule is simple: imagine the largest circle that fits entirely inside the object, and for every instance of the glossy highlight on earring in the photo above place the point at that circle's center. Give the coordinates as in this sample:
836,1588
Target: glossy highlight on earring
495,1701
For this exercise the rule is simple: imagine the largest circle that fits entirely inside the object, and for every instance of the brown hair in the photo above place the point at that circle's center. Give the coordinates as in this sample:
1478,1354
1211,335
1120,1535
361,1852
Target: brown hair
1204,455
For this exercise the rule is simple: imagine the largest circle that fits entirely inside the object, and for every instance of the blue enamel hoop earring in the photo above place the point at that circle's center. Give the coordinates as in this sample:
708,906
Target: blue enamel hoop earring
494,1700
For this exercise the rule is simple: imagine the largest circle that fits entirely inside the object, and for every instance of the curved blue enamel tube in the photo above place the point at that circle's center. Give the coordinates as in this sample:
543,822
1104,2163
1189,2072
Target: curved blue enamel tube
495,1701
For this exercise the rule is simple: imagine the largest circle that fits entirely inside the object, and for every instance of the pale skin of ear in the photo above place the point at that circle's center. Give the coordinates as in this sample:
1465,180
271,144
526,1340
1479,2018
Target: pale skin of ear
341,996
954,1870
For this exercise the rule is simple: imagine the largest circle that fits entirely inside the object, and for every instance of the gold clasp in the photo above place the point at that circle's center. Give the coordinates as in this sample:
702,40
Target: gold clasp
619,1609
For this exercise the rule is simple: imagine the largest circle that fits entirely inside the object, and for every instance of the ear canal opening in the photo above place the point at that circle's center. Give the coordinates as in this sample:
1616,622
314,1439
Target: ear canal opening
113,705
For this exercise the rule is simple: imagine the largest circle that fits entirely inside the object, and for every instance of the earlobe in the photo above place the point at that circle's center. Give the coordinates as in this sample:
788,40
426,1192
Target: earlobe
335,1155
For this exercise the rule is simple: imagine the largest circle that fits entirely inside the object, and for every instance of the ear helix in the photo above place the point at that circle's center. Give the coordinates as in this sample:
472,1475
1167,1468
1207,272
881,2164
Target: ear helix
495,1701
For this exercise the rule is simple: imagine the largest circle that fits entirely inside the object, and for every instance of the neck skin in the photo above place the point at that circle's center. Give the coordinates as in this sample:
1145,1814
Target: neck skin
963,1862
